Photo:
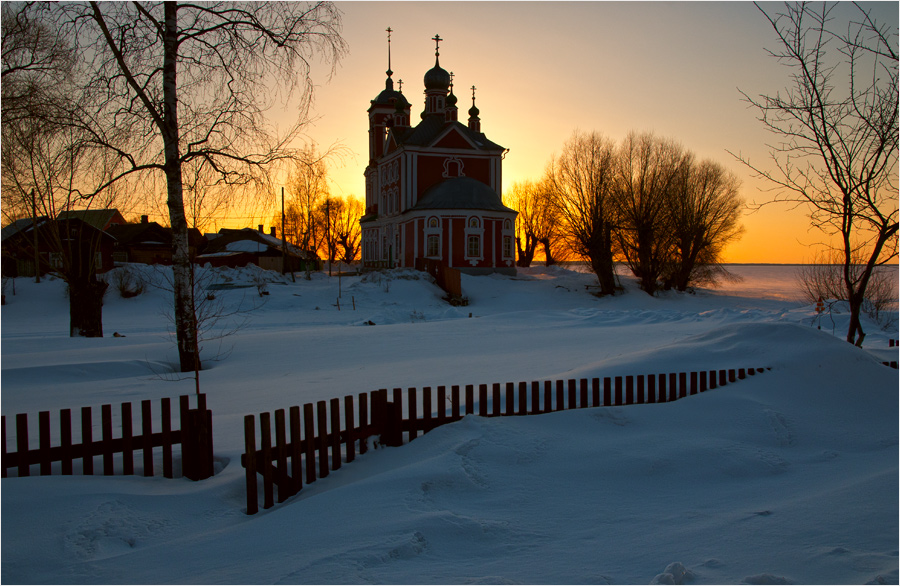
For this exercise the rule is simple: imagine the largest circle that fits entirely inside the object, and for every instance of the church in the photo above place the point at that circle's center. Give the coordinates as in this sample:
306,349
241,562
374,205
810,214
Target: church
432,190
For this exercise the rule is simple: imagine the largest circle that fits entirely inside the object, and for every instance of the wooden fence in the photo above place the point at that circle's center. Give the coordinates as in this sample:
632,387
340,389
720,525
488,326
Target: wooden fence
447,278
310,442
194,436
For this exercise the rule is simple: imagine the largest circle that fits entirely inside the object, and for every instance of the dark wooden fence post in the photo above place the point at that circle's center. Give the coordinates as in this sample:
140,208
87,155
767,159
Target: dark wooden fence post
510,399
349,426
560,396
470,399
44,441
87,444
65,440
629,390
640,390
309,440
572,394
296,450
607,391
495,392
673,386
682,385
426,409
335,435
618,398
283,479
548,396
322,436
535,397
595,392
523,399
250,463
127,434
196,439
694,383
651,388
482,400
454,403
265,431
22,444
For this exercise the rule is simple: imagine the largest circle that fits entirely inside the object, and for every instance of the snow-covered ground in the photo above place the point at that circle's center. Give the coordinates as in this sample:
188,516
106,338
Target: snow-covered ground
786,477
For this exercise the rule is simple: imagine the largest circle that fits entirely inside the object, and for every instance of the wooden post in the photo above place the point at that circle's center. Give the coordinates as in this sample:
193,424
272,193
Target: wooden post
127,434
87,444
454,402
661,394
595,391
618,398
309,442
629,390
482,400
44,442
364,422
535,397
349,426
548,396
742,374
583,393
296,450
322,436
413,409
510,399
281,456
495,392
106,427
265,432
640,389
470,399
65,441
682,385
147,435
426,409
694,383
732,375
723,377
441,405
712,379
4,460
572,393
702,376
560,396
673,386
250,463
22,444
335,435
607,391
523,399
186,457
651,388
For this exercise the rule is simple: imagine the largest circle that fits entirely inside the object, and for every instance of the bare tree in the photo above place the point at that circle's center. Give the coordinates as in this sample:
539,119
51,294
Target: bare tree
307,189
581,189
173,83
346,230
645,178
837,134
537,221
704,212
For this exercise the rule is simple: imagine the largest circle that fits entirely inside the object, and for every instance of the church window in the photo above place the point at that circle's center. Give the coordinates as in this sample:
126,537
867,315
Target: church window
432,222
473,248
507,246
473,222
453,167
433,246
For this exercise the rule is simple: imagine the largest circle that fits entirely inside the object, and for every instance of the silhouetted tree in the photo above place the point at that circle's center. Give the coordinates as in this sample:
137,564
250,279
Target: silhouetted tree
173,82
646,173
581,189
537,221
836,126
703,215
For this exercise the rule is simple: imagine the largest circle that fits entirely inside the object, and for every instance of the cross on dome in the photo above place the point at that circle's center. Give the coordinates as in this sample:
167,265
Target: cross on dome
437,40
389,30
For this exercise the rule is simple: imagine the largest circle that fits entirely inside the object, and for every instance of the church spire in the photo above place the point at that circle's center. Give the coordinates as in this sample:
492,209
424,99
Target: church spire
474,120
389,83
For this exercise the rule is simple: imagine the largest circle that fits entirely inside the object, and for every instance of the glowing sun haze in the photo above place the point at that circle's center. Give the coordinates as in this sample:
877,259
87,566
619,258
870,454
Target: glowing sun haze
545,69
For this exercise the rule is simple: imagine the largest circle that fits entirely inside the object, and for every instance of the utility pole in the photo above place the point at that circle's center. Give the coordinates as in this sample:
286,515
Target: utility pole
283,241
34,232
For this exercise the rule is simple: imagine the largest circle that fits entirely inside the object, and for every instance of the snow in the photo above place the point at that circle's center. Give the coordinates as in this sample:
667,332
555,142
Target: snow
790,476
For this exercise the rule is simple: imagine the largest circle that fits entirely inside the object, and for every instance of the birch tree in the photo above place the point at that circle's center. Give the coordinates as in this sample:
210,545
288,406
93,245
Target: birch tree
174,82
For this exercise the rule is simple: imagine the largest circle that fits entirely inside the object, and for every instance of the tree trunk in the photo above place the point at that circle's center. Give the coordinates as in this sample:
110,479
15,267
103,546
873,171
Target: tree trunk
86,307
602,260
549,261
185,318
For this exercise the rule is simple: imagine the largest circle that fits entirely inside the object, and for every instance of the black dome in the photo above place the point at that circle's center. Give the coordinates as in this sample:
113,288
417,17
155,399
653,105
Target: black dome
437,78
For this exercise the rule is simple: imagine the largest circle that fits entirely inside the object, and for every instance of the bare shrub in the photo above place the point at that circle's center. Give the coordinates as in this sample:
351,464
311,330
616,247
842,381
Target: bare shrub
128,281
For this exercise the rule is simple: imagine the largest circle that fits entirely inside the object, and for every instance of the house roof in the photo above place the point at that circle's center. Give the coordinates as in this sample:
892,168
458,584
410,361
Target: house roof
250,240
461,193
99,219
431,128
15,227
137,233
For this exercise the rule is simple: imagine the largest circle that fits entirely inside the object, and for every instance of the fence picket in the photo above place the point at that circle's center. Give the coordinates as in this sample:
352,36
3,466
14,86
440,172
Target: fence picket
87,447
309,437
322,436
426,409
535,397
127,434
454,402
44,441
470,399
296,450
281,455
106,438
65,441
335,408
629,390
350,440
482,400
265,433
495,391
510,399
250,463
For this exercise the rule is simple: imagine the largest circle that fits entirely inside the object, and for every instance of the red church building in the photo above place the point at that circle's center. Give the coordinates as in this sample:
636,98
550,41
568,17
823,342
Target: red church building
432,190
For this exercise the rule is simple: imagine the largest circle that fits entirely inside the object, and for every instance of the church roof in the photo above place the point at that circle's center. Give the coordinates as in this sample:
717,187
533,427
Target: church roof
461,193
429,129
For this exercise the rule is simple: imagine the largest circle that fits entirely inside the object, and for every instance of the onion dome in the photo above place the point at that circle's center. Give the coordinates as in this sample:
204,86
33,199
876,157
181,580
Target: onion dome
437,78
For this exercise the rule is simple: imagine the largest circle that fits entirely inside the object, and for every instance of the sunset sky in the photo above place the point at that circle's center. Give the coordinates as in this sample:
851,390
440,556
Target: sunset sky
545,69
